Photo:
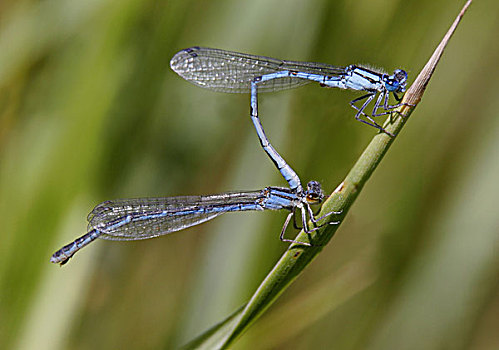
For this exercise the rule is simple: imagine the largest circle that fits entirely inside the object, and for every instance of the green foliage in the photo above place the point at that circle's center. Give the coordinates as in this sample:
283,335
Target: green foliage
90,111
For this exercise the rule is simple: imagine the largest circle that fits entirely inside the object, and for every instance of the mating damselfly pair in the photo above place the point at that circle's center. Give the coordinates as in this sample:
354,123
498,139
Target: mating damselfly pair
226,71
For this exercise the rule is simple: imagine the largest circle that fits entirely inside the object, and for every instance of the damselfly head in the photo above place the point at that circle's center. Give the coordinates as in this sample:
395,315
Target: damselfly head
314,194
396,81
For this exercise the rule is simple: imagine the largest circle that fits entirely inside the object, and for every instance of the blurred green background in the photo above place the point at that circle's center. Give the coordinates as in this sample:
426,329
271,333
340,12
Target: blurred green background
90,111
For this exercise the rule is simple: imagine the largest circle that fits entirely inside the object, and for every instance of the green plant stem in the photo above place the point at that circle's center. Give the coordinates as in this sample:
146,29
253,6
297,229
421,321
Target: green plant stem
298,256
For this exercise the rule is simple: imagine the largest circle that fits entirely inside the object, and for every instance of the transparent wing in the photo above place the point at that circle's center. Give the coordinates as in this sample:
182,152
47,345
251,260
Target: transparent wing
142,218
228,71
